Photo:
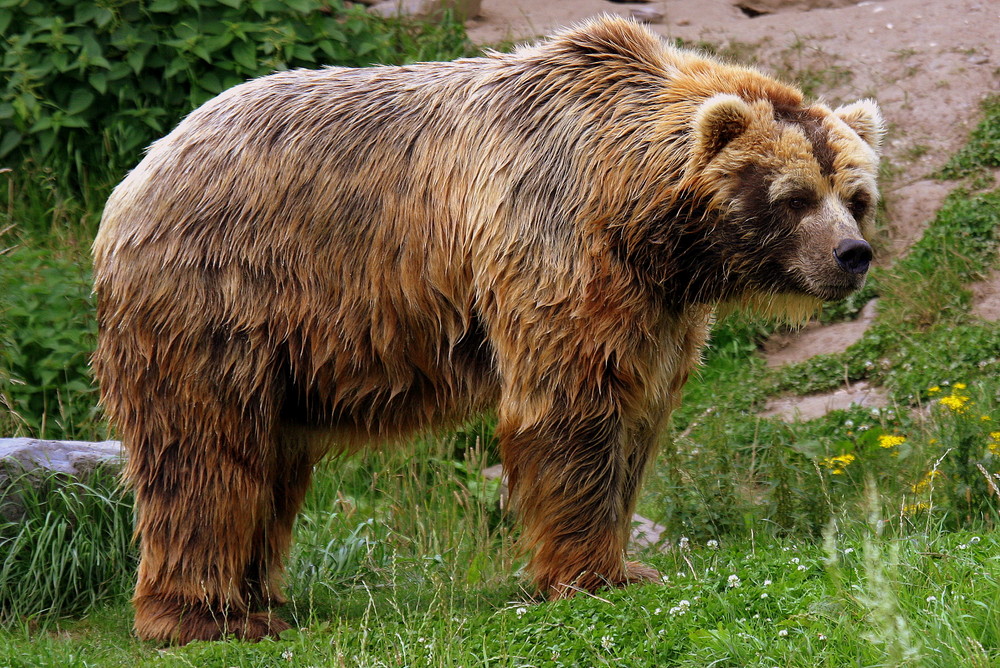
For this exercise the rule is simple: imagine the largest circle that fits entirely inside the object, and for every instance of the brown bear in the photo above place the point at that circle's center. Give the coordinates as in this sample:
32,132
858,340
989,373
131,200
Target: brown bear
318,260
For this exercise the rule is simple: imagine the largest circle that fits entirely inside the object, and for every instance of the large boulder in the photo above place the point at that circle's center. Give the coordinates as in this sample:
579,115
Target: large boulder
30,460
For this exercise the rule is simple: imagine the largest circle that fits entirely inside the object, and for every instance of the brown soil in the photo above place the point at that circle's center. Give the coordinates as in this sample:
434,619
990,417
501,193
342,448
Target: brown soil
929,63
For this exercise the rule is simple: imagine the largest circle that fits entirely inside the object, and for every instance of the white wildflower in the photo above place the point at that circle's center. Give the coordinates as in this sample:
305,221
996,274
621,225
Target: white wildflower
681,608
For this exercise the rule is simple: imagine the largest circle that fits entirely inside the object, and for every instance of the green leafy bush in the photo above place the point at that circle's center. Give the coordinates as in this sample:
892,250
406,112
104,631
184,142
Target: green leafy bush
47,330
97,78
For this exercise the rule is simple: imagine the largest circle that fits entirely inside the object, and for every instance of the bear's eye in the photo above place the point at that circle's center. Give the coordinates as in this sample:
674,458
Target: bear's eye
797,203
858,206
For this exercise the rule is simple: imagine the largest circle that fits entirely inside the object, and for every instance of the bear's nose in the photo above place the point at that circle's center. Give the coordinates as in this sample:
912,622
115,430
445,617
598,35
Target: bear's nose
853,255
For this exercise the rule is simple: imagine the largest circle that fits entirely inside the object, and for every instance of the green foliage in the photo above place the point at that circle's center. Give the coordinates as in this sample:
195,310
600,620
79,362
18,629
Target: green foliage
969,445
47,330
93,78
983,150
71,549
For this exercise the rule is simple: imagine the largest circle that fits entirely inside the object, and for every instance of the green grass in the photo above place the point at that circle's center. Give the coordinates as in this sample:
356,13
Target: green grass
69,549
982,153
923,598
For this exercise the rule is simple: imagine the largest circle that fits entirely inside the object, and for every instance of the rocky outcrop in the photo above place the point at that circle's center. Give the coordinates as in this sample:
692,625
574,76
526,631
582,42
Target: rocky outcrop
29,460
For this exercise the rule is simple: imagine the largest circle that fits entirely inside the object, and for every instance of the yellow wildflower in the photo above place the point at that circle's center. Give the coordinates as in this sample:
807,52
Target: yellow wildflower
959,386
933,390
955,402
994,444
925,482
913,508
985,418
838,464
887,441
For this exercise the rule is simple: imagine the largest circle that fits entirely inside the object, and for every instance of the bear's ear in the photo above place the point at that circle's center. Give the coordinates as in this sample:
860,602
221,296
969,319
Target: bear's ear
719,120
865,118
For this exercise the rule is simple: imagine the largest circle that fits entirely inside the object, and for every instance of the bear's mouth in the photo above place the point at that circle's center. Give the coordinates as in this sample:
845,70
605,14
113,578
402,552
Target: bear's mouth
831,292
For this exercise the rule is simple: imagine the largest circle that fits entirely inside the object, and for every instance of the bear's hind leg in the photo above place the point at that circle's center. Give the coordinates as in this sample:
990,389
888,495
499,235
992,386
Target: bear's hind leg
202,492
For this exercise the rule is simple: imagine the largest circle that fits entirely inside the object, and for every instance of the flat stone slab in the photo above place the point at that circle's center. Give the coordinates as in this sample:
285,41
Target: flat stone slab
816,339
29,459
70,457
986,297
811,406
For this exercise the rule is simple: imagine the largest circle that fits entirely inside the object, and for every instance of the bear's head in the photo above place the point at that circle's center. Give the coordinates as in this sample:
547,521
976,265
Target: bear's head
795,191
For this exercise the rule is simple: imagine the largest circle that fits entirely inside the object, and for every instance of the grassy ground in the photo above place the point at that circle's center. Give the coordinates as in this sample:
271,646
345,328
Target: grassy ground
865,538
404,561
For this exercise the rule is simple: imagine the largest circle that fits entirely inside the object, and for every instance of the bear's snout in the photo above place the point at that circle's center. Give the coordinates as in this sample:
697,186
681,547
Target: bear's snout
853,255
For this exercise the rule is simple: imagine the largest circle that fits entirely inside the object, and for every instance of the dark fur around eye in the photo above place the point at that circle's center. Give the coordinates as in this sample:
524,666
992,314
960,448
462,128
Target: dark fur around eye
798,202
858,206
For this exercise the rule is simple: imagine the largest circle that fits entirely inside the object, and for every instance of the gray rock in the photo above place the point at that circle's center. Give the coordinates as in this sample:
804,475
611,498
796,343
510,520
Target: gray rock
463,9
30,459
647,15
646,532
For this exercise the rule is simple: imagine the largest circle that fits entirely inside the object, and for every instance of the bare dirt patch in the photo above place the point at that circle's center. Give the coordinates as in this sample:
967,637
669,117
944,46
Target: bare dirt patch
986,297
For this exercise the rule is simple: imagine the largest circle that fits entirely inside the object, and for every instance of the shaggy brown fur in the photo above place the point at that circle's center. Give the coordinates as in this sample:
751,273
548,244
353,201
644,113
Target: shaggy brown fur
317,260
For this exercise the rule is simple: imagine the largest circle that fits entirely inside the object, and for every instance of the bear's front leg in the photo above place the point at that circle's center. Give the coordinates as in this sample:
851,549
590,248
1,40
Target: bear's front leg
574,470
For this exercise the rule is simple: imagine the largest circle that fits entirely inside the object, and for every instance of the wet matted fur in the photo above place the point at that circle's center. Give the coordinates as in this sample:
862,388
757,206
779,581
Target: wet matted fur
319,260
